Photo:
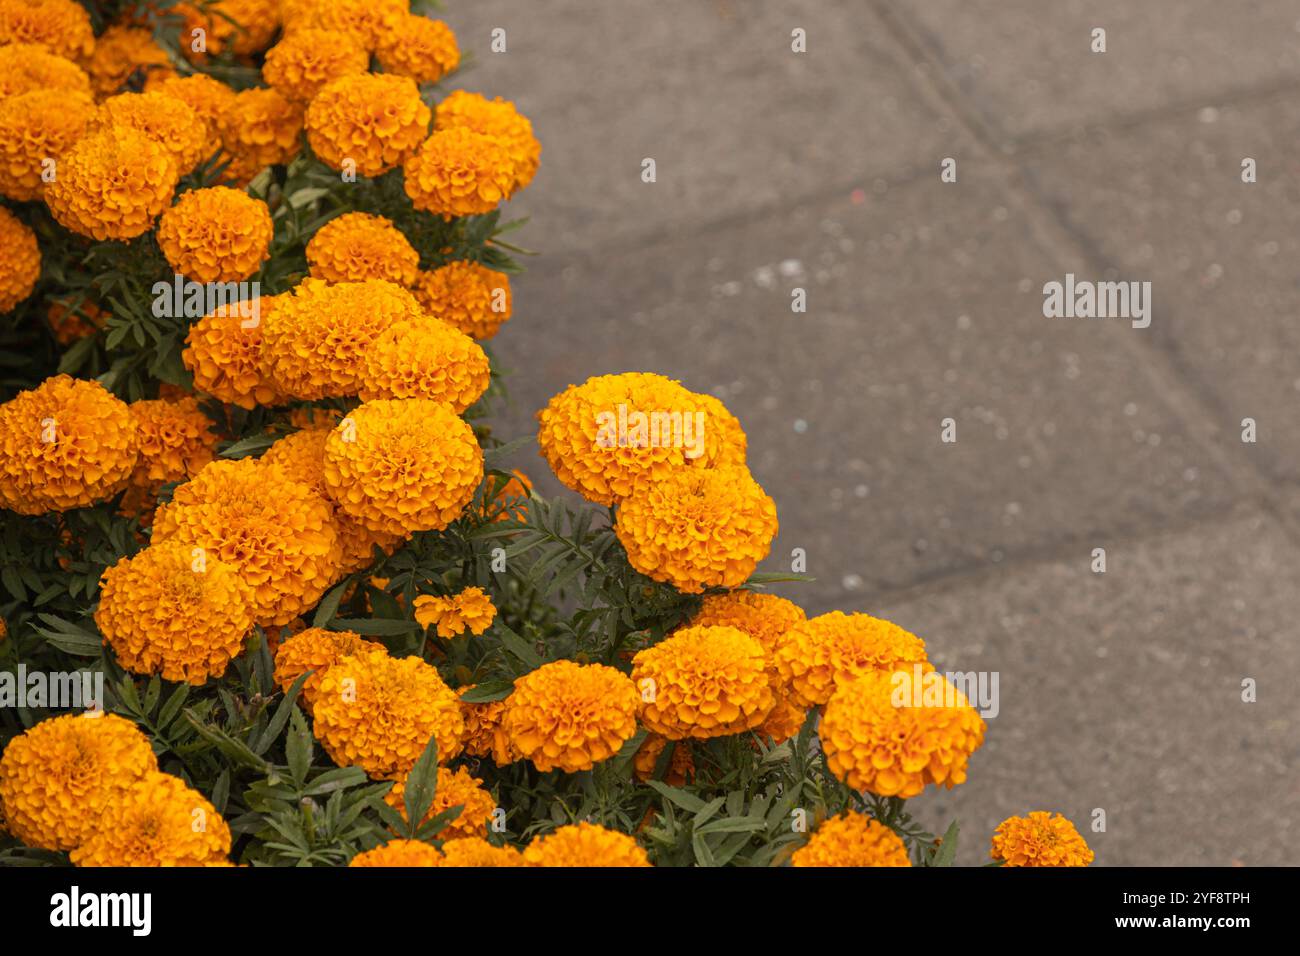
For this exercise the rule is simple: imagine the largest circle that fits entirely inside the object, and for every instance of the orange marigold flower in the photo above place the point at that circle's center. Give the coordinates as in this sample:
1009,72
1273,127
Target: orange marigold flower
500,120
167,121
458,172
585,844
703,682
454,789
418,47
484,734
20,266
176,611
470,610
276,532
726,441
681,765
65,444
466,295
399,853
815,656
205,96
378,713
894,751
570,716
372,121
612,433
358,246
764,617
512,497
477,852
119,53
216,234
852,839
30,66
403,465
429,359
317,650
36,128
316,340
259,129
1040,839
175,440
158,821
224,352
698,528
71,319
59,776
243,26
363,20
61,26
306,60
112,184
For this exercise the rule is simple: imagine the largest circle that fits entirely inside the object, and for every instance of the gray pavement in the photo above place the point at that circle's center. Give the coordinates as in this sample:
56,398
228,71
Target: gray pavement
1119,691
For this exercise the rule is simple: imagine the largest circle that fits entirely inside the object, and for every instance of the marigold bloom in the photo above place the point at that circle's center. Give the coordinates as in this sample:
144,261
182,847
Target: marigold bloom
681,765
112,184
61,26
814,656
852,839
725,439
363,20
316,340
698,528
216,234
458,172
454,789
399,853
65,444
20,266
1040,839
175,611
316,649
119,53
764,617
870,744
276,532
418,47
71,319
207,97
612,433
403,465
175,440
570,716
30,66
511,498
428,359
169,122
703,682
224,352
358,246
158,821
470,610
36,128
373,120
466,295
306,60
585,844
378,713
243,26
259,129
58,777
484,734
477,852
498,119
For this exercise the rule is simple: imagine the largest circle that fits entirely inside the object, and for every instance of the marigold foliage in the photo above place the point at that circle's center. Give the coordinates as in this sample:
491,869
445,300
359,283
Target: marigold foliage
570,716
852,839
1040,839
157,821
217,234
585,844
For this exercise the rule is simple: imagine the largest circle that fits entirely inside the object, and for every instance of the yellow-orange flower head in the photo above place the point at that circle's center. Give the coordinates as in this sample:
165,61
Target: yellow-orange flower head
870,744
510,502
317,650
367,123
30,66
570,716
764,617
852,839
612,433
484,734
112,184
585,844
725,438
403,465
698,528
458,172
216,234
477,852
20,266
681,765
207,97
73,318
35,128
498,119
1040,839
315,342
224,352
175,440
59,776
418,47
363,20
65,444
306,60
61,26
122,51
358,246
470,610
378,713
813,657
466,295
703,682
260,128
454,789
399,853
429,359
175,611
167,121
159,821
242,26
277,533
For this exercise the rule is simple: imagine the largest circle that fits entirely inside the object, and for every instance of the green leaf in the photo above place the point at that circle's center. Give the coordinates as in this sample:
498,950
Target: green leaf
235,749
376,627
173,705
687,801
340,778
298,748
280,717
421,786
329,604
947,847
517,646
488,691
247,446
